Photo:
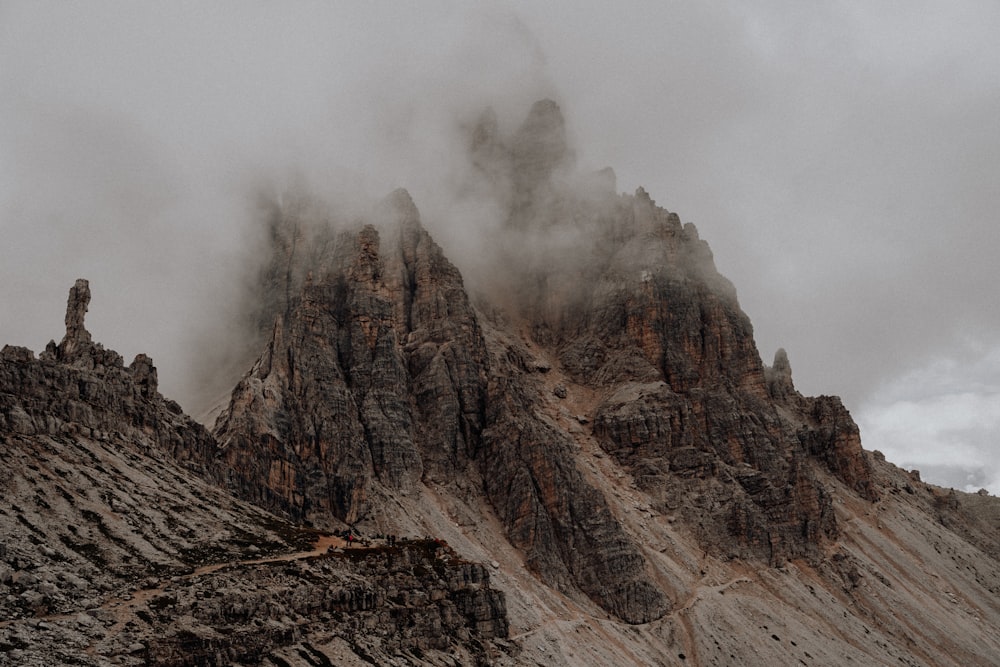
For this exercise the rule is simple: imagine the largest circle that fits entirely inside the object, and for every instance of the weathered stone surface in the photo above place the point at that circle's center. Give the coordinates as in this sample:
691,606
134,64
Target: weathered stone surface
387,601
561,522
113,553
833,437
377,365
80,388
779,377
640,313
443,345
392,377
378,376
77,340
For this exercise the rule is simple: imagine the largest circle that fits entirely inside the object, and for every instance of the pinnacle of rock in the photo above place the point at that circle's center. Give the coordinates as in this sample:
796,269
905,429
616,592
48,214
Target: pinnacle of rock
400,201
779,376
781,364
540,145
77,337
144,375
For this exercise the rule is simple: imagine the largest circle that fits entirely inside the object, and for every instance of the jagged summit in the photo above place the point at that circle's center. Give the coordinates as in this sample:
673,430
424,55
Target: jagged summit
380,377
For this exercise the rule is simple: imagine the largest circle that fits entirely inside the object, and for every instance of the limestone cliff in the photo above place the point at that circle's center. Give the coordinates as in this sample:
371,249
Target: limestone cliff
379,376
596,424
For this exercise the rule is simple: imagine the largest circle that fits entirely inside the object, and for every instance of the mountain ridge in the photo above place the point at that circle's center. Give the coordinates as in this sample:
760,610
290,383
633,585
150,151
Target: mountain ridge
599,428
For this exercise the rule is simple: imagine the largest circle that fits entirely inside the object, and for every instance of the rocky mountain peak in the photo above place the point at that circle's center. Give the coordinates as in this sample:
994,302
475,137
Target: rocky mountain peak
380,378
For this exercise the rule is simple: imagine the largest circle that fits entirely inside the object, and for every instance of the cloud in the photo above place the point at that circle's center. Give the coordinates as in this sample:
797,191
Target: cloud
840,158
135,138
943,419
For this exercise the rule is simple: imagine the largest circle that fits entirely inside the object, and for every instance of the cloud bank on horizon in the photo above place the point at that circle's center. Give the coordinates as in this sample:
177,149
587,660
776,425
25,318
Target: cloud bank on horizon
840,158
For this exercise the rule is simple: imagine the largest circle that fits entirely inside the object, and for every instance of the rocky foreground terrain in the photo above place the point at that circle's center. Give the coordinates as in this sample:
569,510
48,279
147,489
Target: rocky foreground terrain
114,553
588,460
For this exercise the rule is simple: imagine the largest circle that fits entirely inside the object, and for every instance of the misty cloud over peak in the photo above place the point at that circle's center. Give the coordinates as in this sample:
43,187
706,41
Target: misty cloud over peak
839,158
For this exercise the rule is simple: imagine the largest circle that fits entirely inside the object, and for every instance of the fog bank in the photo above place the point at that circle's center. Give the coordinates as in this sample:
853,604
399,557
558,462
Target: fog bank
840,159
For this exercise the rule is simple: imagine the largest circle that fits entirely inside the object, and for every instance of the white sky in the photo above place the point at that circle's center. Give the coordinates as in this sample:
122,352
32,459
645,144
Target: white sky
841,158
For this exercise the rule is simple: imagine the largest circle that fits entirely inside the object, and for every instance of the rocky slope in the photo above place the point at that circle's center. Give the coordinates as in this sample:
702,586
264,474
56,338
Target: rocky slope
113,552
597,424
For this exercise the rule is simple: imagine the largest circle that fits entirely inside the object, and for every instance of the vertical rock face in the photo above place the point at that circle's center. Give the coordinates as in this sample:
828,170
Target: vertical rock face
709,419
77,339
561,522
827,431
639,312
379,376
833,437
443,346
779,377
376,366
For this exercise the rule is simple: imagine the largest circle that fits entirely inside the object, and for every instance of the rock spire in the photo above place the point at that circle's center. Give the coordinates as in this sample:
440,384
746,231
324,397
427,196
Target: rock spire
77,339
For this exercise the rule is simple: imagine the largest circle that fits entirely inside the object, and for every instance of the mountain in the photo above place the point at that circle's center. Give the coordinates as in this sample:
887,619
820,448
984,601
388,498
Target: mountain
605,469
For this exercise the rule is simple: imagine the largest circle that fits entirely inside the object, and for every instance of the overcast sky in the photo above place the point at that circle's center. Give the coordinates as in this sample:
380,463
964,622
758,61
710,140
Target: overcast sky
841,158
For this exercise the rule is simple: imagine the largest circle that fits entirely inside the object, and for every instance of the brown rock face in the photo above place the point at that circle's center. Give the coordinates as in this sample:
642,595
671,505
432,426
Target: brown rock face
686,407
380,377
77,339
639,313
833,438
561,522
376,364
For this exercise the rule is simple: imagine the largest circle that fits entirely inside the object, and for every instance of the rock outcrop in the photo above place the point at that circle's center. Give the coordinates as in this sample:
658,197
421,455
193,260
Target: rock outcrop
379,376
376,366
639,312
112,552
77,342
80,388
414,599
561,522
